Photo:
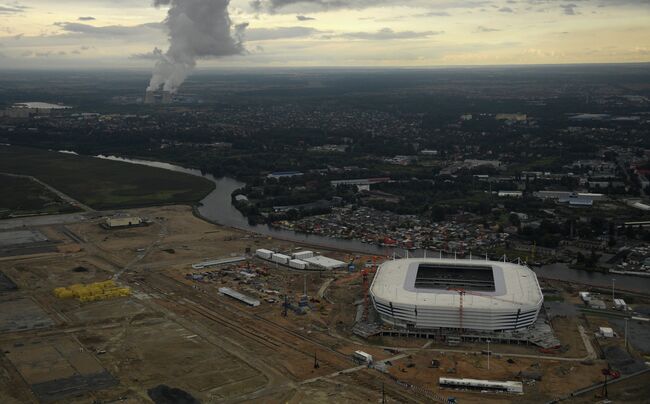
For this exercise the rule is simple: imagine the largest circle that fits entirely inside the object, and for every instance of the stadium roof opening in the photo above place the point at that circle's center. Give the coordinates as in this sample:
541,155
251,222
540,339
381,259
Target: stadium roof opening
444,276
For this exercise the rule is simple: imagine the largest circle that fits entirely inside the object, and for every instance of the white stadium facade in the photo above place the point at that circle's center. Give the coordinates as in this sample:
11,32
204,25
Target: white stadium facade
427,294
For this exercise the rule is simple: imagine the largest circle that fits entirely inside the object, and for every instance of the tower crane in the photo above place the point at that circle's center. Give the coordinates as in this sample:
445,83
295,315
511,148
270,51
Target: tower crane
461,295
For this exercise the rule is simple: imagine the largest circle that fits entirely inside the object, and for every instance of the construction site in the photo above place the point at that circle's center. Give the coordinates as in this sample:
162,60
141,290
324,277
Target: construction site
182,310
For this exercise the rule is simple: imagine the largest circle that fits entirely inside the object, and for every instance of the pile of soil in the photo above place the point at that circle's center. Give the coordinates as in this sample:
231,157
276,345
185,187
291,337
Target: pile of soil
163,394
80,269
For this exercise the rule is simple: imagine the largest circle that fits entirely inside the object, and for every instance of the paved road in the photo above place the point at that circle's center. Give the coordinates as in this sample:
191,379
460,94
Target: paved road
35,221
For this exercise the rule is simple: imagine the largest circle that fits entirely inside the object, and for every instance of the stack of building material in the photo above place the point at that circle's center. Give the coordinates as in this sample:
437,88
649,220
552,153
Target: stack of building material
93,291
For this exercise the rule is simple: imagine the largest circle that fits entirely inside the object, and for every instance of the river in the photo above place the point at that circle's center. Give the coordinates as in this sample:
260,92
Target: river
217,207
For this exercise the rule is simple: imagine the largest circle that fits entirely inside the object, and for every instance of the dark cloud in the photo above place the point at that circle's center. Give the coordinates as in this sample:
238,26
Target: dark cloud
389,34
486,29
434,14
569,9
267,34
108,30
13,9
274,6
506,10
89,18
153,55
304,18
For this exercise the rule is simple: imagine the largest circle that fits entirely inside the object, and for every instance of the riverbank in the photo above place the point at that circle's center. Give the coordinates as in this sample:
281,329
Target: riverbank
217,208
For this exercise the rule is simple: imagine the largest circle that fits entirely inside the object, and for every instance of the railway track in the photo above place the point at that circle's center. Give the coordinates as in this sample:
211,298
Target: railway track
261,331
390,390
236,311
240,323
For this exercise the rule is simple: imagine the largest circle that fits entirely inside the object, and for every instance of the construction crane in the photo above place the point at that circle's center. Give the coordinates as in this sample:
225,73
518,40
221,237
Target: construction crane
285,306
461,294
532,255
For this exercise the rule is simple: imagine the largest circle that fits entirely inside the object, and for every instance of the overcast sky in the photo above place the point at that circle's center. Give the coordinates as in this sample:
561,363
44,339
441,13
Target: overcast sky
285,33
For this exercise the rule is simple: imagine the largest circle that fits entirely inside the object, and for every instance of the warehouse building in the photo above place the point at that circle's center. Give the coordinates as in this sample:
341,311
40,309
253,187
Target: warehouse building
123,221
321,262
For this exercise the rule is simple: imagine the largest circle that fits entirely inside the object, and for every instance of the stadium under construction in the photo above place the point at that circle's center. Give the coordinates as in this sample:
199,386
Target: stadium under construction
458,299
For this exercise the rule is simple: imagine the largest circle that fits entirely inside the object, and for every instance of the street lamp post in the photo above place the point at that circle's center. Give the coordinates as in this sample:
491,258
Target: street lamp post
613,281
489,354
626,332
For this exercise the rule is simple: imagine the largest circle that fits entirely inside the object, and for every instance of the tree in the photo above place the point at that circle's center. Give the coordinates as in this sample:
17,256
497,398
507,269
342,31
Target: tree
515,220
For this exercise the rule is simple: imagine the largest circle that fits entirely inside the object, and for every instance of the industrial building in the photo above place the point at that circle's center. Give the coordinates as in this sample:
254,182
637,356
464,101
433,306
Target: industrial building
214,263
123,221
281,258
264,253
300,260
241,297
430,294
303,254
322,262
298,264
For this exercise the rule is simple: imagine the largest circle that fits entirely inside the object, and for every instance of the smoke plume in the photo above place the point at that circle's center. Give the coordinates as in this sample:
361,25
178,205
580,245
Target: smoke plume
197,29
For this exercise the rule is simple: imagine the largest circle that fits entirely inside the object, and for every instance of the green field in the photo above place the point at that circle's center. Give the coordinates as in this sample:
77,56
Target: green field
23,197
104,184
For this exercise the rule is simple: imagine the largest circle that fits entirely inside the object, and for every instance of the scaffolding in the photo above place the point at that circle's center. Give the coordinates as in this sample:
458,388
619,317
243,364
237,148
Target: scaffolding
92,291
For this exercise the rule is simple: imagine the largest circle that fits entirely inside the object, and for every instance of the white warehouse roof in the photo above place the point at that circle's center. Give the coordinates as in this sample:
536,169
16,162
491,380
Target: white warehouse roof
324,262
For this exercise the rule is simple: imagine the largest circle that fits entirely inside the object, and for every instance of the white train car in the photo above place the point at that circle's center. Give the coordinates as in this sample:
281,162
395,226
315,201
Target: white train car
482,385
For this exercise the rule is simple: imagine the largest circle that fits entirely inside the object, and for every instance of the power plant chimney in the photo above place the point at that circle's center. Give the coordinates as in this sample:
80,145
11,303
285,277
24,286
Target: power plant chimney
150,97
166,97
158,97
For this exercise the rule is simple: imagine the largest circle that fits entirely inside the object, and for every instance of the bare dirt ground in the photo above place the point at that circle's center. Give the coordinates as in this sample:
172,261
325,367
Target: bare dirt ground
176,329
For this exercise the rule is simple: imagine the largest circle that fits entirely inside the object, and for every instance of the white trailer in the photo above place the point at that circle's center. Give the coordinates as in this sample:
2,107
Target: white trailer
606,332
620,304
265,254
362,357
303,254
298,264
280,258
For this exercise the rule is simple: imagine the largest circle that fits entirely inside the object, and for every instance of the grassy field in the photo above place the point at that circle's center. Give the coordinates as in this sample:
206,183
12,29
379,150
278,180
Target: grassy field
104,184
23,196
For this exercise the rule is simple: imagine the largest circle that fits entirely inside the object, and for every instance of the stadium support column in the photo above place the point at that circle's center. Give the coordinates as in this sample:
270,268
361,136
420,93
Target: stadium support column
517,318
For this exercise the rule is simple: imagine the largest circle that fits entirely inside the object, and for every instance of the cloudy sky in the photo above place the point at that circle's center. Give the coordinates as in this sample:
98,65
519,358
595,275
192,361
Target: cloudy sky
285,33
